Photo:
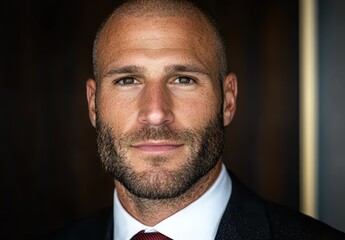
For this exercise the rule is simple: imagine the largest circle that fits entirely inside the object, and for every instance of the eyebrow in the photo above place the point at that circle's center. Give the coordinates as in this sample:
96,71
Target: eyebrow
185,68
125,69
134,69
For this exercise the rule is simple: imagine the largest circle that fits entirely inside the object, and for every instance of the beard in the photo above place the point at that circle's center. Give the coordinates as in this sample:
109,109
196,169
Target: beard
204,149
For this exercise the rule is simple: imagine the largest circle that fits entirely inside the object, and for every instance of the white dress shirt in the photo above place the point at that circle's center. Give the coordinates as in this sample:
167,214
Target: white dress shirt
199,220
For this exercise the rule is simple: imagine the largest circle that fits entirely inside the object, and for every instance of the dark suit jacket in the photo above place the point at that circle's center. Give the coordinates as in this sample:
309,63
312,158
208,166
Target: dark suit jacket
247,216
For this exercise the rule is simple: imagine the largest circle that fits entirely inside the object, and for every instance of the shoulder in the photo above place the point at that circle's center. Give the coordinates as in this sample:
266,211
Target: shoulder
99,226
252,215
295,225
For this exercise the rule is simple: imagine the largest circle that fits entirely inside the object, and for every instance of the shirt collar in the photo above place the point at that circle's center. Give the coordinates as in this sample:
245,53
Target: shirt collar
199,220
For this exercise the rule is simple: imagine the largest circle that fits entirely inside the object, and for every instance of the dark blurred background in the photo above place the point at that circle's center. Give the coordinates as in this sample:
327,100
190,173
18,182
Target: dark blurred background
50,173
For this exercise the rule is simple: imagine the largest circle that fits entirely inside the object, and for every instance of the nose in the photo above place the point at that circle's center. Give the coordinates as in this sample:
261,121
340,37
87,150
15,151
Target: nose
155,105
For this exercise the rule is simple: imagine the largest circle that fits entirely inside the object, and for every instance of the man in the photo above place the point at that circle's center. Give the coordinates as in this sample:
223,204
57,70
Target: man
159,102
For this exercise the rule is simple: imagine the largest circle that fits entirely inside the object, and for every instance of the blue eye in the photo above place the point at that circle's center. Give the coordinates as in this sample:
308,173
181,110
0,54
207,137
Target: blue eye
127,81
184,80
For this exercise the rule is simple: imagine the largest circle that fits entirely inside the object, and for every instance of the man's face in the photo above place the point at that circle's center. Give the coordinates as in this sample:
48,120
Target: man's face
159,106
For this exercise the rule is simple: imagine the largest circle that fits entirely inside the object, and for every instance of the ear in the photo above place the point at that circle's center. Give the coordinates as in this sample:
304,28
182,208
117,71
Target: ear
230,94
91,100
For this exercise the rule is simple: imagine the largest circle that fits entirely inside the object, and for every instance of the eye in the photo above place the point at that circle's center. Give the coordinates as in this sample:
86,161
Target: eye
127,81
184,80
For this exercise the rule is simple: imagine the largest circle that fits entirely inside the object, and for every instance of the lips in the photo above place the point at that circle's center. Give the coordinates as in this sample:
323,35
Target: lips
156,147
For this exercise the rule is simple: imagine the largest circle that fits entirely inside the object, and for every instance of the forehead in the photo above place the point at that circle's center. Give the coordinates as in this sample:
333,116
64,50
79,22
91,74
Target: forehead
187,38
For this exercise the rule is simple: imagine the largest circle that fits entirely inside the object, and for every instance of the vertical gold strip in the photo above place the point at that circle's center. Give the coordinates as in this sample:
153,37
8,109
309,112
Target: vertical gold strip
308,108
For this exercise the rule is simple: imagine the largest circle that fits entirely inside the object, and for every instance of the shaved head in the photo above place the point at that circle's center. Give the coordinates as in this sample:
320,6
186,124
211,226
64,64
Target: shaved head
164,8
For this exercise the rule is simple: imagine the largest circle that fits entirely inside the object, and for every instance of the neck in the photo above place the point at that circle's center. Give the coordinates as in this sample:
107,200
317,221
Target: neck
151,212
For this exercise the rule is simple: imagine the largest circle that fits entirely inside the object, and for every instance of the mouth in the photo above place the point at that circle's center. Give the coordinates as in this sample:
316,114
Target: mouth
157,146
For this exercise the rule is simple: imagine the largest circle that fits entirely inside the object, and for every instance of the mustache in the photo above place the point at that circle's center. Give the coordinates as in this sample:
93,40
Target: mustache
158,133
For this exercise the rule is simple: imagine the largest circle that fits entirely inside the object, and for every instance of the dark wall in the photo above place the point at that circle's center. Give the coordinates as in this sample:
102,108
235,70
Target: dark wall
50,175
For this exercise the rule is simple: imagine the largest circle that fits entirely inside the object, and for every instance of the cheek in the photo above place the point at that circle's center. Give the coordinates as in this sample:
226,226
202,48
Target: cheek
198,110
115,111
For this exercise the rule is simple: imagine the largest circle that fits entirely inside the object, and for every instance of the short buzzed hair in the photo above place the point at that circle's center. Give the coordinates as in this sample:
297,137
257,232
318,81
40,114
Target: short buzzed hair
165,8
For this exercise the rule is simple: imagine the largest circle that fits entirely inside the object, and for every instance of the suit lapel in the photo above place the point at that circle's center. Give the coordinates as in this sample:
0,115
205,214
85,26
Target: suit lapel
244,216
109,230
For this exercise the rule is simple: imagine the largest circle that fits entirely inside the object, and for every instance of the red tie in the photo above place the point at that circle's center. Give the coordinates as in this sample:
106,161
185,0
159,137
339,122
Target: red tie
149,236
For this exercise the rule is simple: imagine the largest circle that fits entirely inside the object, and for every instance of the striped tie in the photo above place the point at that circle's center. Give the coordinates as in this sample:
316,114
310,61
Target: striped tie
149,236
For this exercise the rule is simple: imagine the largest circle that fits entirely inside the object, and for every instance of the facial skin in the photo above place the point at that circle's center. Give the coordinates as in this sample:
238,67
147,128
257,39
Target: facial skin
160,109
